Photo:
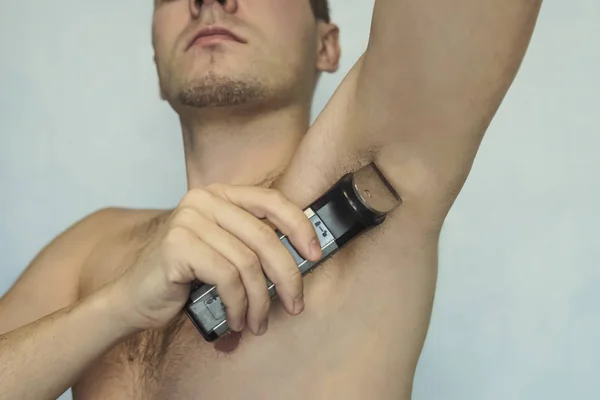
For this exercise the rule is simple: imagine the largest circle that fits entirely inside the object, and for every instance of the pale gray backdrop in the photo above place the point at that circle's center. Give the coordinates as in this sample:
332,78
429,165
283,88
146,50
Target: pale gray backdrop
515,317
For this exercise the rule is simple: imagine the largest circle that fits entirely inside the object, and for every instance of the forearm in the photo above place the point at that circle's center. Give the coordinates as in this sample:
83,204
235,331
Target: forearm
44,358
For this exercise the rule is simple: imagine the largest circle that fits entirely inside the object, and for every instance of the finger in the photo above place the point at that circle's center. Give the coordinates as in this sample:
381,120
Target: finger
281,212
238,254
212,268
276,260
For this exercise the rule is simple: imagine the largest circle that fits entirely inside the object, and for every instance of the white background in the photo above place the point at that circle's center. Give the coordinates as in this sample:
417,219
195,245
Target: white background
515,317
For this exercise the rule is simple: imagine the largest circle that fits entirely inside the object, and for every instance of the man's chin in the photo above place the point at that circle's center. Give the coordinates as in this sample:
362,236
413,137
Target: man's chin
221,91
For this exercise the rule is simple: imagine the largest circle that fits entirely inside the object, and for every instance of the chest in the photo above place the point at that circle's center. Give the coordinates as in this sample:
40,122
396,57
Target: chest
357,296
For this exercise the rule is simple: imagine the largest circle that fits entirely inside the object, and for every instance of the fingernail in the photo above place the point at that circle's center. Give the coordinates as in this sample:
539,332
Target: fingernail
315,248
298,305
263,327
238,327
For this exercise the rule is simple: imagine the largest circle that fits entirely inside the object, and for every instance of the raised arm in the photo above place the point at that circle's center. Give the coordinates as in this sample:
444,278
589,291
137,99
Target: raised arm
432,78
419,100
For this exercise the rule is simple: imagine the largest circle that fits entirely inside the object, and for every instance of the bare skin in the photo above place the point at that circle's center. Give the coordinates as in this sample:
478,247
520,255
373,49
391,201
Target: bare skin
366,311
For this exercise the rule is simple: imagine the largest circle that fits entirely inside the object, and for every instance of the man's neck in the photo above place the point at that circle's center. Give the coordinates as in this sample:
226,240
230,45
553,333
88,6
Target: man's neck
241,149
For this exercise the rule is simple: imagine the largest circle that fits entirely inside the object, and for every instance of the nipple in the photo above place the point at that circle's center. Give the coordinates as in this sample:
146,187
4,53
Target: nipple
229,343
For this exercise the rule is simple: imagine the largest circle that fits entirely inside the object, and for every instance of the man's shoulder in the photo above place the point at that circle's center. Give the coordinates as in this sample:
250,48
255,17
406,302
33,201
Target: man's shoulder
116,222
114,218
74,244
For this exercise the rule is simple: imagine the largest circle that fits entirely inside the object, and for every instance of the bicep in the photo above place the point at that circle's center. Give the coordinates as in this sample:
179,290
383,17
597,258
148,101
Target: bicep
51,281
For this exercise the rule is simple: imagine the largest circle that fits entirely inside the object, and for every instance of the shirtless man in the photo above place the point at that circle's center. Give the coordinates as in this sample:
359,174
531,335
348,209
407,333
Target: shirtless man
99,309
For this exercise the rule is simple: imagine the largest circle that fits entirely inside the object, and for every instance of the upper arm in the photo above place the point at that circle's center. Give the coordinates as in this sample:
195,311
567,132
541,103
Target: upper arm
418,102
51,281
431,80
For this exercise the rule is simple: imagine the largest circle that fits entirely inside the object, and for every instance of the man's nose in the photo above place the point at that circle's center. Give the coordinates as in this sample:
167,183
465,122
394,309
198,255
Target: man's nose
227,5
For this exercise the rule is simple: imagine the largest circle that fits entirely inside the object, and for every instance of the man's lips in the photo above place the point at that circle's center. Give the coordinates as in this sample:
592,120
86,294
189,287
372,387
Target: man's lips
213,34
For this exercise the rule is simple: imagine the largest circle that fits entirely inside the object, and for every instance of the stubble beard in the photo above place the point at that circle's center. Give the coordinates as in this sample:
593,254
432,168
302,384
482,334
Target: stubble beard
214,90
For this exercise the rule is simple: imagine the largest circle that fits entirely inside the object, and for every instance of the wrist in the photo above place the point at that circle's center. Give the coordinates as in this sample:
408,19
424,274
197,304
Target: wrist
112,309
